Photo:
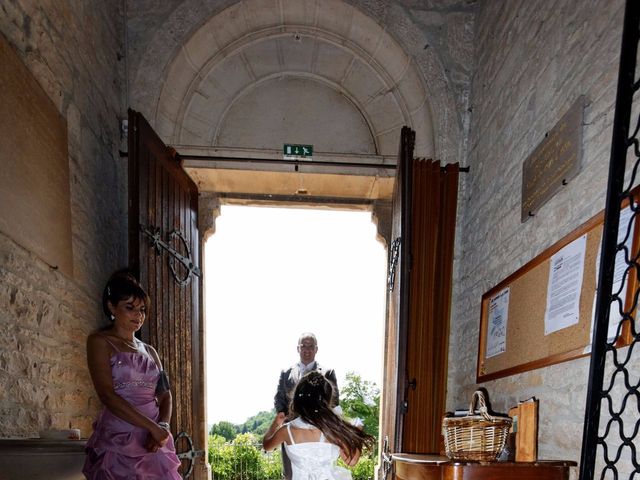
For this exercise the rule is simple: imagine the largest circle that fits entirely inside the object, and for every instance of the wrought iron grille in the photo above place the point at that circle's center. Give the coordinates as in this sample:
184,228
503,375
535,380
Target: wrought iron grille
611,437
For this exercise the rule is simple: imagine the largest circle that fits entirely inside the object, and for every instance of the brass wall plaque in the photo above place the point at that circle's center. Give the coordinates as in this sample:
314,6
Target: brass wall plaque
555,161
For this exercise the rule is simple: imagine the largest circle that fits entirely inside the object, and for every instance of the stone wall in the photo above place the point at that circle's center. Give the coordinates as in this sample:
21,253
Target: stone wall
533,60
75,50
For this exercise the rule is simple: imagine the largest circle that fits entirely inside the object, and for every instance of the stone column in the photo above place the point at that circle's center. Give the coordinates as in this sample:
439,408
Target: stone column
381,215
208,211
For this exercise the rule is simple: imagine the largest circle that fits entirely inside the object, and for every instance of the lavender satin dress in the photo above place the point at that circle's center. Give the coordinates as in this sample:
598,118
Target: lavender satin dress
115,450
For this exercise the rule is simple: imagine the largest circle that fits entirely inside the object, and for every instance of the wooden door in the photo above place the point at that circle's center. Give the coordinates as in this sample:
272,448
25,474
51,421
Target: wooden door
417,327
394,383
164,251
433,218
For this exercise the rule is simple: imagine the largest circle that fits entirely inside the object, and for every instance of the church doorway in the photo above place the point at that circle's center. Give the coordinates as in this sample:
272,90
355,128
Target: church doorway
172,213
273,273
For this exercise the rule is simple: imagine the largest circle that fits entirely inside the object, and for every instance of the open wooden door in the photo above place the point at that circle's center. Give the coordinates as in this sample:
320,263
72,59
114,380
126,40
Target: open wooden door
164,251
393,405
433,218
419,296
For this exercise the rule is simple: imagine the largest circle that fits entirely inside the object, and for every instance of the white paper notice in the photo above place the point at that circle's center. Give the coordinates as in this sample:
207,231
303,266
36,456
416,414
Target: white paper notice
497,324
620,266
565,284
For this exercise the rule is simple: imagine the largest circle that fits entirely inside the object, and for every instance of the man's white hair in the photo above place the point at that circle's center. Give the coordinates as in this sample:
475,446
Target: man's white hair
307,336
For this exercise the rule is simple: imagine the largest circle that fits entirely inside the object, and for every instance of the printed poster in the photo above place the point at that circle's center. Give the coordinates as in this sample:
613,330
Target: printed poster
497,324
564,287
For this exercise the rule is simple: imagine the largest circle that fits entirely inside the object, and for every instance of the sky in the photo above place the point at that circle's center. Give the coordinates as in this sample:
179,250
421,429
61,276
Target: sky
273,273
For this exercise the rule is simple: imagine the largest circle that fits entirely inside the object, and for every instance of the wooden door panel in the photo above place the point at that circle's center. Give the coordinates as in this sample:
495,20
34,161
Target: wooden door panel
164,253
416,331
433,227
397,300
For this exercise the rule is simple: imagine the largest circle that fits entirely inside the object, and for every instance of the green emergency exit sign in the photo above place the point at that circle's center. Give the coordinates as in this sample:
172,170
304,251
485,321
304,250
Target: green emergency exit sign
291,150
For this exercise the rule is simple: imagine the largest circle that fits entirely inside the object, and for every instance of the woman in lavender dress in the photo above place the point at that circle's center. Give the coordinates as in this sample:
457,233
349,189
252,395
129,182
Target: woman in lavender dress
131,437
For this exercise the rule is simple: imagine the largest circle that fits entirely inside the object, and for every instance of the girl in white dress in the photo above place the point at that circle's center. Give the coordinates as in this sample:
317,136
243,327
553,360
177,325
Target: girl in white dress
317,436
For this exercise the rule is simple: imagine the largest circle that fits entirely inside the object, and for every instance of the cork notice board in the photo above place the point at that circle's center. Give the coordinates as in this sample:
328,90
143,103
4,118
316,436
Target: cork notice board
525,345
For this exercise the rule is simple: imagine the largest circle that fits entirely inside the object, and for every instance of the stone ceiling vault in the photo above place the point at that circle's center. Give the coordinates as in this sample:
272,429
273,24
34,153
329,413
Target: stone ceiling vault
240,65
260,73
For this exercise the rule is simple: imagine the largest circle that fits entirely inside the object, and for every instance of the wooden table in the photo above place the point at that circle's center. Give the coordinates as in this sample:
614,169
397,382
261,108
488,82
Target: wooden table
434,467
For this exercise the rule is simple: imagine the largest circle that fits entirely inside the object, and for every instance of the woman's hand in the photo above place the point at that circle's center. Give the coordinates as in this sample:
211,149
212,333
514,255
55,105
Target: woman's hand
157,438
160,435
150,444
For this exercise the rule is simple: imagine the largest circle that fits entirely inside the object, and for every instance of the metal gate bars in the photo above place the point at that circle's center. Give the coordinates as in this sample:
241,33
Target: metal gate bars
612,417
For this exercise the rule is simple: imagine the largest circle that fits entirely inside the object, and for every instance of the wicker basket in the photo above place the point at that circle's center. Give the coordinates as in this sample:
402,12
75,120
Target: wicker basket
475,437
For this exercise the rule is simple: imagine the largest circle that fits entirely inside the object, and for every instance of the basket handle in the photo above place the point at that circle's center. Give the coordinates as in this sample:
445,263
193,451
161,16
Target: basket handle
482,405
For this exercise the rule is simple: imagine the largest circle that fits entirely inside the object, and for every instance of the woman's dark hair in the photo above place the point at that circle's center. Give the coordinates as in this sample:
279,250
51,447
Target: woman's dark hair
122,285
312,401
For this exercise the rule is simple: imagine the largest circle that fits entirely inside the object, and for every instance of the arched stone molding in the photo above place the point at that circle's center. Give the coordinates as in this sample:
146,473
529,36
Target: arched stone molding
263,38
346,128
173,33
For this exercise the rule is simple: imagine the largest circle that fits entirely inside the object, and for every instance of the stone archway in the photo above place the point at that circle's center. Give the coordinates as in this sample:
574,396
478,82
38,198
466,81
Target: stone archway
388,40
243,64
217,75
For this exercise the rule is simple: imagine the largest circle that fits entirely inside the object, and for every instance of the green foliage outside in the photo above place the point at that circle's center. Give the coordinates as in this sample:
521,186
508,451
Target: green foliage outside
242,459
364,469
235,451
361,398
258,424
224,429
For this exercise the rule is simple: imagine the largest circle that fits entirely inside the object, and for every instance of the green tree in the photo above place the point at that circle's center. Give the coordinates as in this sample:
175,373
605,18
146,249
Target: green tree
361,398
364,469
225,429
258,424
220,457
240,459
271,465
247,456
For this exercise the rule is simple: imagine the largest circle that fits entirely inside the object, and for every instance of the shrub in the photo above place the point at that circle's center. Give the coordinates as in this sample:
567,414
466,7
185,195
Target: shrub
242,459
364,469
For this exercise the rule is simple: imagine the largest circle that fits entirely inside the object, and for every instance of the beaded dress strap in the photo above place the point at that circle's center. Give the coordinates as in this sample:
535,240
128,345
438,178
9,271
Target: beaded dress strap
111,343
152,357
290,436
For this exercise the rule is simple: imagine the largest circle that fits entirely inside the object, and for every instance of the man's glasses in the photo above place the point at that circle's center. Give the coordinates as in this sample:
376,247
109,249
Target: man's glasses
306,347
